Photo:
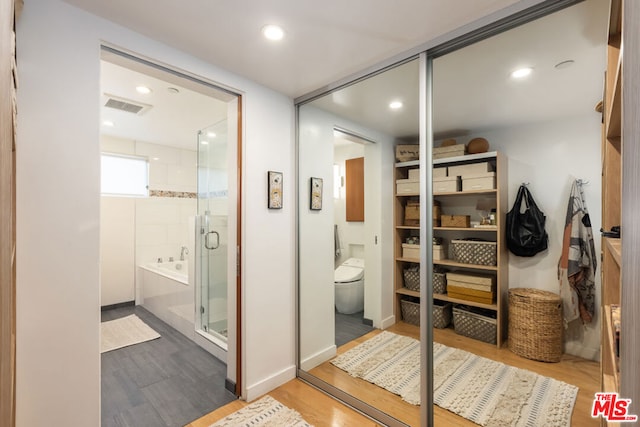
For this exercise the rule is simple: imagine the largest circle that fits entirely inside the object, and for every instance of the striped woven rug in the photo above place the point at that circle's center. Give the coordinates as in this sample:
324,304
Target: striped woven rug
484,391
266,412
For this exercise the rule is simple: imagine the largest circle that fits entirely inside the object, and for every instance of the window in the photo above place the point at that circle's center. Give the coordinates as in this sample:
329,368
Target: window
124,175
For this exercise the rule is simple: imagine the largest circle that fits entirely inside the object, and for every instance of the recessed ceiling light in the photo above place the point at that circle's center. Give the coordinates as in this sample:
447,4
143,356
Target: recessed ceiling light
564,64
395,105
156,158
143,90
521,73
108,123
211,134
203,142
273,32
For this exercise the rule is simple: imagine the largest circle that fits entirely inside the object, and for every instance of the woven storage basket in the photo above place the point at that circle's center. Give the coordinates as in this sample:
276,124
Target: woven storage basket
441,314
535,324
410,312
439,283
412,279
474,325
474,252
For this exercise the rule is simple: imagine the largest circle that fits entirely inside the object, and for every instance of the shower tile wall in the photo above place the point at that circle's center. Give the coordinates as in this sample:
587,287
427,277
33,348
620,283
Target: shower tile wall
160,224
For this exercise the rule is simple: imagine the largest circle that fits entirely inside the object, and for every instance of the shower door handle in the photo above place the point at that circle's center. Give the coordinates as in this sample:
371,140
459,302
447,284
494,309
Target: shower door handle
206,240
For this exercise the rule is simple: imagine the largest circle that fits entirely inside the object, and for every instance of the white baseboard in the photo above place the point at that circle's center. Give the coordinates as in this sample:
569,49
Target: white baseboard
391,320
318,358
265,386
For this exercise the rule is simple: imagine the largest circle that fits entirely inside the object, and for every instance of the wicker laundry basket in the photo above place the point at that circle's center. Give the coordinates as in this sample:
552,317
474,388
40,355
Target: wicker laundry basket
535,324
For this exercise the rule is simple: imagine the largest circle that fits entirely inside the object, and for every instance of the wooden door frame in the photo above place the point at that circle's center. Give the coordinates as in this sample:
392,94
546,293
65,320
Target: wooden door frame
237,387
9,9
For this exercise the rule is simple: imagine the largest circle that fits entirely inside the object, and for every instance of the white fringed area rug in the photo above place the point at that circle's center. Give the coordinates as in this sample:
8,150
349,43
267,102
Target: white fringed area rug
123,332
484,391
266,412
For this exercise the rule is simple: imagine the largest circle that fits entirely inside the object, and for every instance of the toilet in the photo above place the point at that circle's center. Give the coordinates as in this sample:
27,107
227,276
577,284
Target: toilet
349,286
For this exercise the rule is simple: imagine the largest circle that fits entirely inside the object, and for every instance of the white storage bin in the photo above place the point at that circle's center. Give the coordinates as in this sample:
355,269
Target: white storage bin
471,169
449,184
439,252
485,181
407,186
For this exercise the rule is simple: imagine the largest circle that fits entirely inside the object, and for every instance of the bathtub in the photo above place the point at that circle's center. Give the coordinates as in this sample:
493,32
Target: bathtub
165,291
176,270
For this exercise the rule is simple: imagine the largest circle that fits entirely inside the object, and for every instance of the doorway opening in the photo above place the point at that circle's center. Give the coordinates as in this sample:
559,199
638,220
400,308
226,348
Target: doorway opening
172,247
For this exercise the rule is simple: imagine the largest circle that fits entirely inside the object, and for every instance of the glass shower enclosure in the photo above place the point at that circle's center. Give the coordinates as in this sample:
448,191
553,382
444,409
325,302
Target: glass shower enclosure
212,233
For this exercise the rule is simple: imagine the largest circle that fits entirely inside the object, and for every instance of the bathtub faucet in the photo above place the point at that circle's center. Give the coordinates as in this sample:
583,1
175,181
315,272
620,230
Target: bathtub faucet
183,251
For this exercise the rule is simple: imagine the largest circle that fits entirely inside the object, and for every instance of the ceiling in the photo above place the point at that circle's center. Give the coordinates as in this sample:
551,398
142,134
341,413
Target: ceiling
325,41
472,89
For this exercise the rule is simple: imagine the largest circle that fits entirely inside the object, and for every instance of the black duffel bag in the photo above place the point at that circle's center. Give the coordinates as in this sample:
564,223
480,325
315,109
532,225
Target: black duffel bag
525,231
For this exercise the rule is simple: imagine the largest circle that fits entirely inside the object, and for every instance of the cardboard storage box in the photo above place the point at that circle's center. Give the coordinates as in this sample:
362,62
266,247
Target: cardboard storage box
470,169
466,294
410,251
412,213
414,174
439,252
441,172
406,153
479,282
449,151
407,186
485,181
461,221
449,184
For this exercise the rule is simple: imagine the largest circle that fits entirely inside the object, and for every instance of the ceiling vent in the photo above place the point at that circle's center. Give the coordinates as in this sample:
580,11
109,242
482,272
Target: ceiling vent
127,105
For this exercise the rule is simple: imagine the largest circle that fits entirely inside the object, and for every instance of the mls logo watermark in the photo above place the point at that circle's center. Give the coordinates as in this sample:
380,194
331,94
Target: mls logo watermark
612,408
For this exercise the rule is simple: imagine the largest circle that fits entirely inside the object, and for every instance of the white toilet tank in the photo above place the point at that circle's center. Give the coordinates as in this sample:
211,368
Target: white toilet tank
349,286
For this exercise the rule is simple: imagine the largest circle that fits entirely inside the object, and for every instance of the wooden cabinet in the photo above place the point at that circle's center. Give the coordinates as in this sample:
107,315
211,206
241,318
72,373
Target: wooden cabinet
459,203
611,204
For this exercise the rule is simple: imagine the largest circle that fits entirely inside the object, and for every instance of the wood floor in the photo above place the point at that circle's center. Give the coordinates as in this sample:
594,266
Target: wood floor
321,410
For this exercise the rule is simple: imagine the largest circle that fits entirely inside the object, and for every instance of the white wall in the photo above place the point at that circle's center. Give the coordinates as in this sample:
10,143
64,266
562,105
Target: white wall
58,206
549,156
316,244
140,230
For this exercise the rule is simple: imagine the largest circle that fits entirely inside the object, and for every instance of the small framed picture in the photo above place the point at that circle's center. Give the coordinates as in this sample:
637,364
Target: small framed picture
316,194
274,190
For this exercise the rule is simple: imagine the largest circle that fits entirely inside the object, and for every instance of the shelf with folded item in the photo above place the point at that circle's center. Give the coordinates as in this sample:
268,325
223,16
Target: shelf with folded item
445,297
452,263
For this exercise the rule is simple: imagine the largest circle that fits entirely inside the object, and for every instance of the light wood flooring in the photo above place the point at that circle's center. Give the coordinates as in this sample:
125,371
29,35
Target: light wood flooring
321,410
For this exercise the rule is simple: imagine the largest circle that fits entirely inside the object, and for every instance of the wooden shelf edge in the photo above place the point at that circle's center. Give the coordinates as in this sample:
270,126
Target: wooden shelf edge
409,292
615,248
445,297
451,263
610,349
408,227
466,158
614,106
414,260
407,164
464,193
465,229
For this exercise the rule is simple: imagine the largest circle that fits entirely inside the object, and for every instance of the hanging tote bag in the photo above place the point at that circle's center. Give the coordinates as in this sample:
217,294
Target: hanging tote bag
525,231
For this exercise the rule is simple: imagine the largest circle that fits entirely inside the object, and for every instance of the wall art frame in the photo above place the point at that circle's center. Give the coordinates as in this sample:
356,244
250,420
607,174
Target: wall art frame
274,189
